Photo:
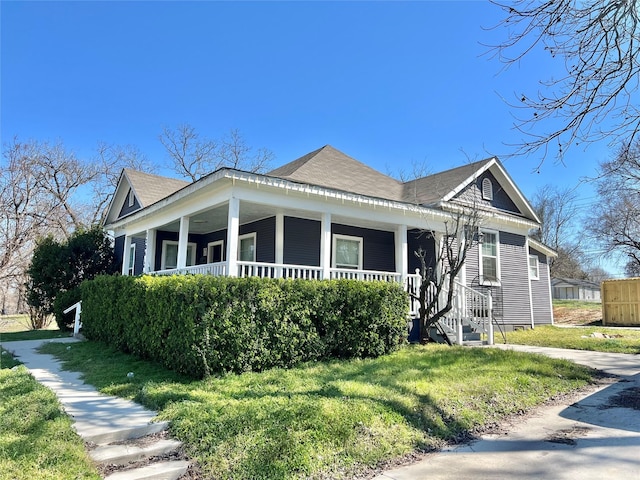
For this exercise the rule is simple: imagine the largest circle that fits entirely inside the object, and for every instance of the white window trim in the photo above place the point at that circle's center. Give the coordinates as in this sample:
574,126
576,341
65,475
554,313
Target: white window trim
336,237
165,243
131,198
132,259
537,276
255,244
480,272
487,189
213,244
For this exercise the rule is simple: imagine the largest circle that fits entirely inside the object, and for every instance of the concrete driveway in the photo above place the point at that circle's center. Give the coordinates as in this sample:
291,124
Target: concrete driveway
597,437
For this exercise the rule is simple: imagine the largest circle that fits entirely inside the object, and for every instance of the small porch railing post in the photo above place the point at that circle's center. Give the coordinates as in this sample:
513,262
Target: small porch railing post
489,318
458,313
77,325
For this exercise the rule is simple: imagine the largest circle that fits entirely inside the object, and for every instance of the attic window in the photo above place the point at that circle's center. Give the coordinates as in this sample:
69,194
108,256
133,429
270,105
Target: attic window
132,198
487,189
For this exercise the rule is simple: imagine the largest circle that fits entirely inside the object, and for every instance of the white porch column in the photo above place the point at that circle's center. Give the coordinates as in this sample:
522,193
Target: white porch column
233,230
402,252
125,255
325,245
183,242
150,251
279,237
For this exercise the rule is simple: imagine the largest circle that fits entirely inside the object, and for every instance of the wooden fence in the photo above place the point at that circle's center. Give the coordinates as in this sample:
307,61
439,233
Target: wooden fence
621,301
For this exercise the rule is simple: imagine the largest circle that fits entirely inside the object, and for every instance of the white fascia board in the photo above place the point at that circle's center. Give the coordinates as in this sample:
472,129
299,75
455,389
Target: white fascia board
542,248
117,196
336,205
496,219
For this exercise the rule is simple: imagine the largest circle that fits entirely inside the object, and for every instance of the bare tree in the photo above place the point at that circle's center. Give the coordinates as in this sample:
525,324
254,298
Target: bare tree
599,44
460,235
559,214
108,164
616,218
194,157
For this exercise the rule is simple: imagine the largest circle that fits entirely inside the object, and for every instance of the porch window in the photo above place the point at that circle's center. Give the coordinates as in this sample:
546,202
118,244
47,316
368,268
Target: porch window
347,252
534,270
170,254
489,262
215,252
247,247
132,259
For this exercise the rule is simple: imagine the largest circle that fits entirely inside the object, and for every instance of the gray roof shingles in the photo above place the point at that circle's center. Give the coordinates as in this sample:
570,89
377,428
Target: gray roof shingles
150,188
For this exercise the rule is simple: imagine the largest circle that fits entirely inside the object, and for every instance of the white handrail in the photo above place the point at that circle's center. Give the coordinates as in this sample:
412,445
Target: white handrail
347,273
77,325
278,270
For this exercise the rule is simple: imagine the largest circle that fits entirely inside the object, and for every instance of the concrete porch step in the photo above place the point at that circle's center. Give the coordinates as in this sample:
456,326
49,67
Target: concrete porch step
124,454
170,470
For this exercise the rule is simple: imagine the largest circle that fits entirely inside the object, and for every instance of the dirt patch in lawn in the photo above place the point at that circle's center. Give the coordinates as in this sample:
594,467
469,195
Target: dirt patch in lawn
577,316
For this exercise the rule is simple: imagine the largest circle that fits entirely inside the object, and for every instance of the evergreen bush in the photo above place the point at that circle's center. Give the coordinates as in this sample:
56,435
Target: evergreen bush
202,325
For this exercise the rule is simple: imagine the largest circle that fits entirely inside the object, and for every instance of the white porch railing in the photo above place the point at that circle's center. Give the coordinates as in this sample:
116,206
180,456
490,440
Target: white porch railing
475,308
218,269
278,270
77,324
369,275
470,307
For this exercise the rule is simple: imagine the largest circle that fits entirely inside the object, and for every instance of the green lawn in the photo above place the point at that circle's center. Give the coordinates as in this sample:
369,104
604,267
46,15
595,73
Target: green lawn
579,338
330,420
36,438
32,335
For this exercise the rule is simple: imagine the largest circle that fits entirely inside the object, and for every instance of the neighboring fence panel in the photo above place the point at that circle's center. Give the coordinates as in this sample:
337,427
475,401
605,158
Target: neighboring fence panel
621,301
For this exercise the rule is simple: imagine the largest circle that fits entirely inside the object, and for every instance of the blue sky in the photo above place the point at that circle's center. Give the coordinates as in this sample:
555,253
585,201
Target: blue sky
388,83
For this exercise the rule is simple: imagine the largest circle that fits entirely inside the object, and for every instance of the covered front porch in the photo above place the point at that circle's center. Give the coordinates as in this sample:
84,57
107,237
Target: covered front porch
244,238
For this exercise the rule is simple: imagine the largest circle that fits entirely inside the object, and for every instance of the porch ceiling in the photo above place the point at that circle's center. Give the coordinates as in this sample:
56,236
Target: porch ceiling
216,218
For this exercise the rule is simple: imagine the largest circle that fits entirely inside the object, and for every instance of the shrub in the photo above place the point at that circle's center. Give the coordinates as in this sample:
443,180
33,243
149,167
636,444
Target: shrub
199,325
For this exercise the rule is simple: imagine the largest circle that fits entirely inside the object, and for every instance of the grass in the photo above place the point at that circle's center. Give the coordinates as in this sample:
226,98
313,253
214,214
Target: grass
332,419
18,323
578,338
36,438
32,335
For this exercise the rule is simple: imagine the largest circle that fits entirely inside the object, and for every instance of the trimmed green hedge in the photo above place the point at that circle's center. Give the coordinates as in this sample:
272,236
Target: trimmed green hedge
200,325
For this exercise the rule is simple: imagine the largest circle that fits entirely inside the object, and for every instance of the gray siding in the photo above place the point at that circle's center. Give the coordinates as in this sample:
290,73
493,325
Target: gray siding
514,268
126,209
542,312
377,246
301,241
265,238
473,194
511,299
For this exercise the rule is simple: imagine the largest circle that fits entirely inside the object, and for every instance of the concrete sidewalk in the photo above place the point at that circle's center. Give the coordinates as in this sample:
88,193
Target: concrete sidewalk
100,419
595,437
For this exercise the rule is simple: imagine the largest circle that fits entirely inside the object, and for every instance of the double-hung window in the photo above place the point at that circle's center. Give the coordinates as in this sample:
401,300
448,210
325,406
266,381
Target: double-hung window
534,269
489,261
247,247
170,254
347,252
